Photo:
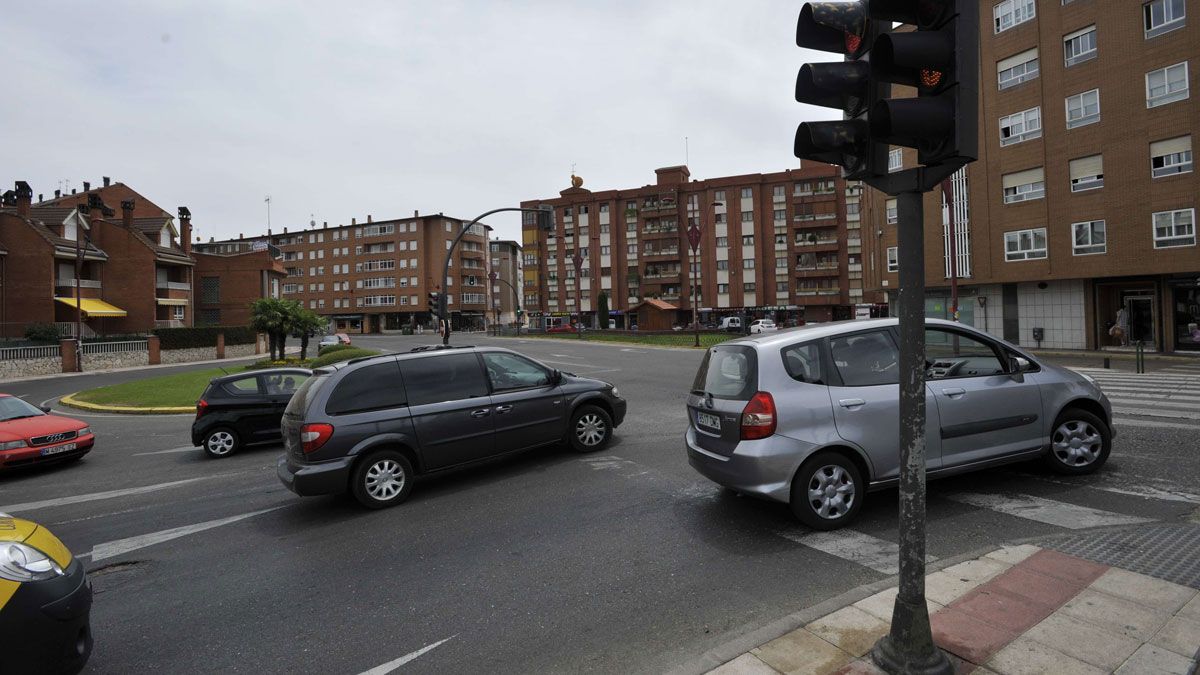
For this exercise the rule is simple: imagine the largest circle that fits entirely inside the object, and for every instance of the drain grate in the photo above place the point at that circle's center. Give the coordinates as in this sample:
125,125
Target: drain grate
1168,552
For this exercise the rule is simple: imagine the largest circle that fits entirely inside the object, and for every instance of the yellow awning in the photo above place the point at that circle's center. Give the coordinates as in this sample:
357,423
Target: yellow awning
93,307
169,301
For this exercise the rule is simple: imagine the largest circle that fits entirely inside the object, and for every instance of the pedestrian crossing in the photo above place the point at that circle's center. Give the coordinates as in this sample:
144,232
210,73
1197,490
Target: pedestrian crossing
1170,393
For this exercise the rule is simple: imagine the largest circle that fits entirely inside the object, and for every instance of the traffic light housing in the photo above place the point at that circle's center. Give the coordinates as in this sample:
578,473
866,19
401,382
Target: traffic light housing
939,57
435,303
545,218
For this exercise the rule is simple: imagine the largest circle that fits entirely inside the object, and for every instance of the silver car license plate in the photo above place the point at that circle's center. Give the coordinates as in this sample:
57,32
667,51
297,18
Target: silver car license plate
708,421
57,449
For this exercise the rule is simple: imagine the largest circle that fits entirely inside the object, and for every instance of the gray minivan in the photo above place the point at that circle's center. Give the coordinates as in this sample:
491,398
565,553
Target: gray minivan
810,416
370,426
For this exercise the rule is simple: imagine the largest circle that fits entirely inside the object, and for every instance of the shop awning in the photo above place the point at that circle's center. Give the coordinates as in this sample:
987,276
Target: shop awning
93,307
170,301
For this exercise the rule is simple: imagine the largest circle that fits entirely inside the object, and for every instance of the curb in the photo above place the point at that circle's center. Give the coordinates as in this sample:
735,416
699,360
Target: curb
71,402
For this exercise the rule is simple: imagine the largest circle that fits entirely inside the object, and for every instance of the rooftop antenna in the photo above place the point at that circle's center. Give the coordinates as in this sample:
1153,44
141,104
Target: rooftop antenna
686,156
312,222
268,201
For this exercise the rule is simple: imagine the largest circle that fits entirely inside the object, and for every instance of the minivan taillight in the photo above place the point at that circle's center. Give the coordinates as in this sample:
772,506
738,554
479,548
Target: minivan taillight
201,408
758,417
313,436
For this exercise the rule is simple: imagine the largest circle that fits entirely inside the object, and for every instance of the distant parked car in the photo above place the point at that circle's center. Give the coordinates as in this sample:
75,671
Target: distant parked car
762,326
562,328
342,338
809,417
732,324
328,341
243,408
30,435
372,426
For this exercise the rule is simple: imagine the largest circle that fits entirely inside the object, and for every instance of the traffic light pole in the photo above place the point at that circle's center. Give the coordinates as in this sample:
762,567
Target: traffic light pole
909,647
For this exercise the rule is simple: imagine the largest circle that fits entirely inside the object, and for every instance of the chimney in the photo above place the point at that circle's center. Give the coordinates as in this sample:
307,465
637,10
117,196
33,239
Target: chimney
325,223
24,198
86,186
416,213
57,194
127,213
240,237
107,181
40,197
353,221
72,190
185,230
285,230
368,217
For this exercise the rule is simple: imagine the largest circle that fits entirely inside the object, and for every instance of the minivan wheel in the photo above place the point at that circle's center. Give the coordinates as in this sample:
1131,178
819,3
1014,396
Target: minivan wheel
382,479
827,491
221,442
1079,443
591,429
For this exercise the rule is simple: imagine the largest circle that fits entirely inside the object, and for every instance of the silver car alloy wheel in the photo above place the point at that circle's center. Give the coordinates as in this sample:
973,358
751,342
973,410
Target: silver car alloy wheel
1077,443
831,492
219,443
590,429
385,479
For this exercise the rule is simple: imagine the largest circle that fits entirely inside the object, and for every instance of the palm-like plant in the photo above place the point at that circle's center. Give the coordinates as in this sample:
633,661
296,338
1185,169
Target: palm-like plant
267,316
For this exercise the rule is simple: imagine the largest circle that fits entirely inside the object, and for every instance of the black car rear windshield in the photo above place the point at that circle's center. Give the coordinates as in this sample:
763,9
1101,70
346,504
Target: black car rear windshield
728,372
307,391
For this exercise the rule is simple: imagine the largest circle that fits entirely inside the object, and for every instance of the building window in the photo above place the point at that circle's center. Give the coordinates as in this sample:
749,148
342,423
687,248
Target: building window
781,263
1175,228
893,259
1080,46
1023,126
1087,173
895,160
1024,185
719,218
604,208
1017,69
1088,237
210,290
723,289
890,210
1083,109
747,216
1171,156
1167,85
748,263
1025,244
748,287
722,265
631,249
780,215
781,287
748,240
777,193
719,196
1163,16
177,313
747,193
1012,13
605,250
722,242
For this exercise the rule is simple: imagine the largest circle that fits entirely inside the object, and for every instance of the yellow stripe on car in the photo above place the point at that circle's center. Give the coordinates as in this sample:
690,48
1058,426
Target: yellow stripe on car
47,543
7,588
15,529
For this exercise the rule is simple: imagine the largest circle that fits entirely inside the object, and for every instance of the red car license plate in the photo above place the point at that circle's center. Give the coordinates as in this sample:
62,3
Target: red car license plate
57,449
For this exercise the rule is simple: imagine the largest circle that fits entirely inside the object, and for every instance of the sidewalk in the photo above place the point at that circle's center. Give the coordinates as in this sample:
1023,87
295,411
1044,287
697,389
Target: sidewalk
1018,609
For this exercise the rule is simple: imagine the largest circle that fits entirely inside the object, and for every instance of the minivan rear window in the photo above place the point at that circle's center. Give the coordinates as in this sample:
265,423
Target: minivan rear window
307,391
728,372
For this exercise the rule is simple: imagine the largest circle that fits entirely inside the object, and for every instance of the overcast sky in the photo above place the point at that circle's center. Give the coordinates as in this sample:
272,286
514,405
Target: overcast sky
343,109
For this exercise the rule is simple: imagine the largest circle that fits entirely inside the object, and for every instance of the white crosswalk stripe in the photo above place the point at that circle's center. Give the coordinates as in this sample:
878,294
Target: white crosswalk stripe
1171,393
1049,511
878,554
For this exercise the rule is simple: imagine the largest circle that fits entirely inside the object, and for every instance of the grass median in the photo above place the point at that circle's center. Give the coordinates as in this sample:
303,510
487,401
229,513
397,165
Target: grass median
167,391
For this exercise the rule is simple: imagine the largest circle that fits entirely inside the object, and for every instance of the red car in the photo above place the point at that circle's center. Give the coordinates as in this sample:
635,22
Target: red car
29,435
342,338
561,328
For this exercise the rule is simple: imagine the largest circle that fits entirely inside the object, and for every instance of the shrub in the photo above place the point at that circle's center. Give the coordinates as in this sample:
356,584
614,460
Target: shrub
202,336
42,332
342,355
329,349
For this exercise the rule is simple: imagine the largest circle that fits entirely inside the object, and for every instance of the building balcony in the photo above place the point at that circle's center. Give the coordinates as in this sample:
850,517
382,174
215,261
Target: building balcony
650,208
163,293
168,323
83,283
662,276
821,270
818,245
814,196
662,253
813,221
173,285
818,296
660,232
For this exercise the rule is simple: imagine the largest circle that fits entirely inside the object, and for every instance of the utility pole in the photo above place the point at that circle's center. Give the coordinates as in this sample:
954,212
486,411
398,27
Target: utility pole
948,196
694,241
939,58
577,261
80,213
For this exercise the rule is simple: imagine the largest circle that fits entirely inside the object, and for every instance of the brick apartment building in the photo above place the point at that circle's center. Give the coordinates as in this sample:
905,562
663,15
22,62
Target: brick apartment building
230,276
374,276
136,270
1081,210
506,265
781,245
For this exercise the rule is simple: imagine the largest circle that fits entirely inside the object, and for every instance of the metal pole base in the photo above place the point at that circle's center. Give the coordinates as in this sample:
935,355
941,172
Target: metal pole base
909,648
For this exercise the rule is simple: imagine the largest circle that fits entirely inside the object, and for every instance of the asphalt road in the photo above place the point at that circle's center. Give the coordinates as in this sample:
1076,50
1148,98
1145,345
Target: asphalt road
624,561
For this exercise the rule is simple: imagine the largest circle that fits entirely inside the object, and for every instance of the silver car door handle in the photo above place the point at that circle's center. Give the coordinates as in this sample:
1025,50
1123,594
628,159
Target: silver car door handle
955,392
483,412
501,409
851,402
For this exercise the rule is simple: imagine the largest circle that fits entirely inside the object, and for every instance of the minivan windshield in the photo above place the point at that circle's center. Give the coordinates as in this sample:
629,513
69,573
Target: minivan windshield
728,372
299,402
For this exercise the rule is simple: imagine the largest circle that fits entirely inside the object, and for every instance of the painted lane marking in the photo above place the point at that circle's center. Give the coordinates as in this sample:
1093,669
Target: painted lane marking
186,448
112,549
878,554
1061,514
1132,489
1161,401
392,665
110,494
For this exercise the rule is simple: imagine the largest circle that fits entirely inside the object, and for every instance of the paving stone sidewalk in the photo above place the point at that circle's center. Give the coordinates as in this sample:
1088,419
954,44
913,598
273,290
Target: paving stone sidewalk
1018,609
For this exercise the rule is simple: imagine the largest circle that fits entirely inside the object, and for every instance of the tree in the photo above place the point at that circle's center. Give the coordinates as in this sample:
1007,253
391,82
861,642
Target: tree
307,322
602,309
267,316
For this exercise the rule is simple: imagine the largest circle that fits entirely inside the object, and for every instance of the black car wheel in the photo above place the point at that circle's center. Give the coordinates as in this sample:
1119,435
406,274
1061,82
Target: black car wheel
591,429
382,479
827,491
221,442
1079,444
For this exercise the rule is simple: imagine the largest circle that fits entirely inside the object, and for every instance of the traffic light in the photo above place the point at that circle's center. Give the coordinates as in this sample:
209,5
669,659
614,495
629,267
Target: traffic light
545,218
434,303
846,28
940,59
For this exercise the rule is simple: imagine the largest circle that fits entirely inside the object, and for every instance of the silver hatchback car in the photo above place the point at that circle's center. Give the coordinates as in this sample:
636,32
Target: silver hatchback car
810,416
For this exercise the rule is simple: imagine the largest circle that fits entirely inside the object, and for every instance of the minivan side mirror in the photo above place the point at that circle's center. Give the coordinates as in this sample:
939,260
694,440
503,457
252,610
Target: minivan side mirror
555,376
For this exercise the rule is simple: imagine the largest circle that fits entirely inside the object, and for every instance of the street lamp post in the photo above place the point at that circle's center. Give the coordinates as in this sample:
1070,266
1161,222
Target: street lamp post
79,220
694,241
577,260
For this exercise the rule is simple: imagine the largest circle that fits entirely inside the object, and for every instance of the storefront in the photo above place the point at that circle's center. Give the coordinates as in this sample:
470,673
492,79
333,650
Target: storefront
1184,298
348,323
1127,313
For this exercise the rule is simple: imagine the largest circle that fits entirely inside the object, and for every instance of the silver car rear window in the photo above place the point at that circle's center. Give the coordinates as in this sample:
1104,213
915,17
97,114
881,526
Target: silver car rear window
729,372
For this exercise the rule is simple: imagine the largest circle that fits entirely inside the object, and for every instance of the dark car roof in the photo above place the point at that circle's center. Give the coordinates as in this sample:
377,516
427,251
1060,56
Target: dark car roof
265,371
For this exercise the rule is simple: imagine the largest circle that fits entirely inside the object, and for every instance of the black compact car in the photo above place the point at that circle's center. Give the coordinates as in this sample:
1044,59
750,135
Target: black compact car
244,408
371,426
